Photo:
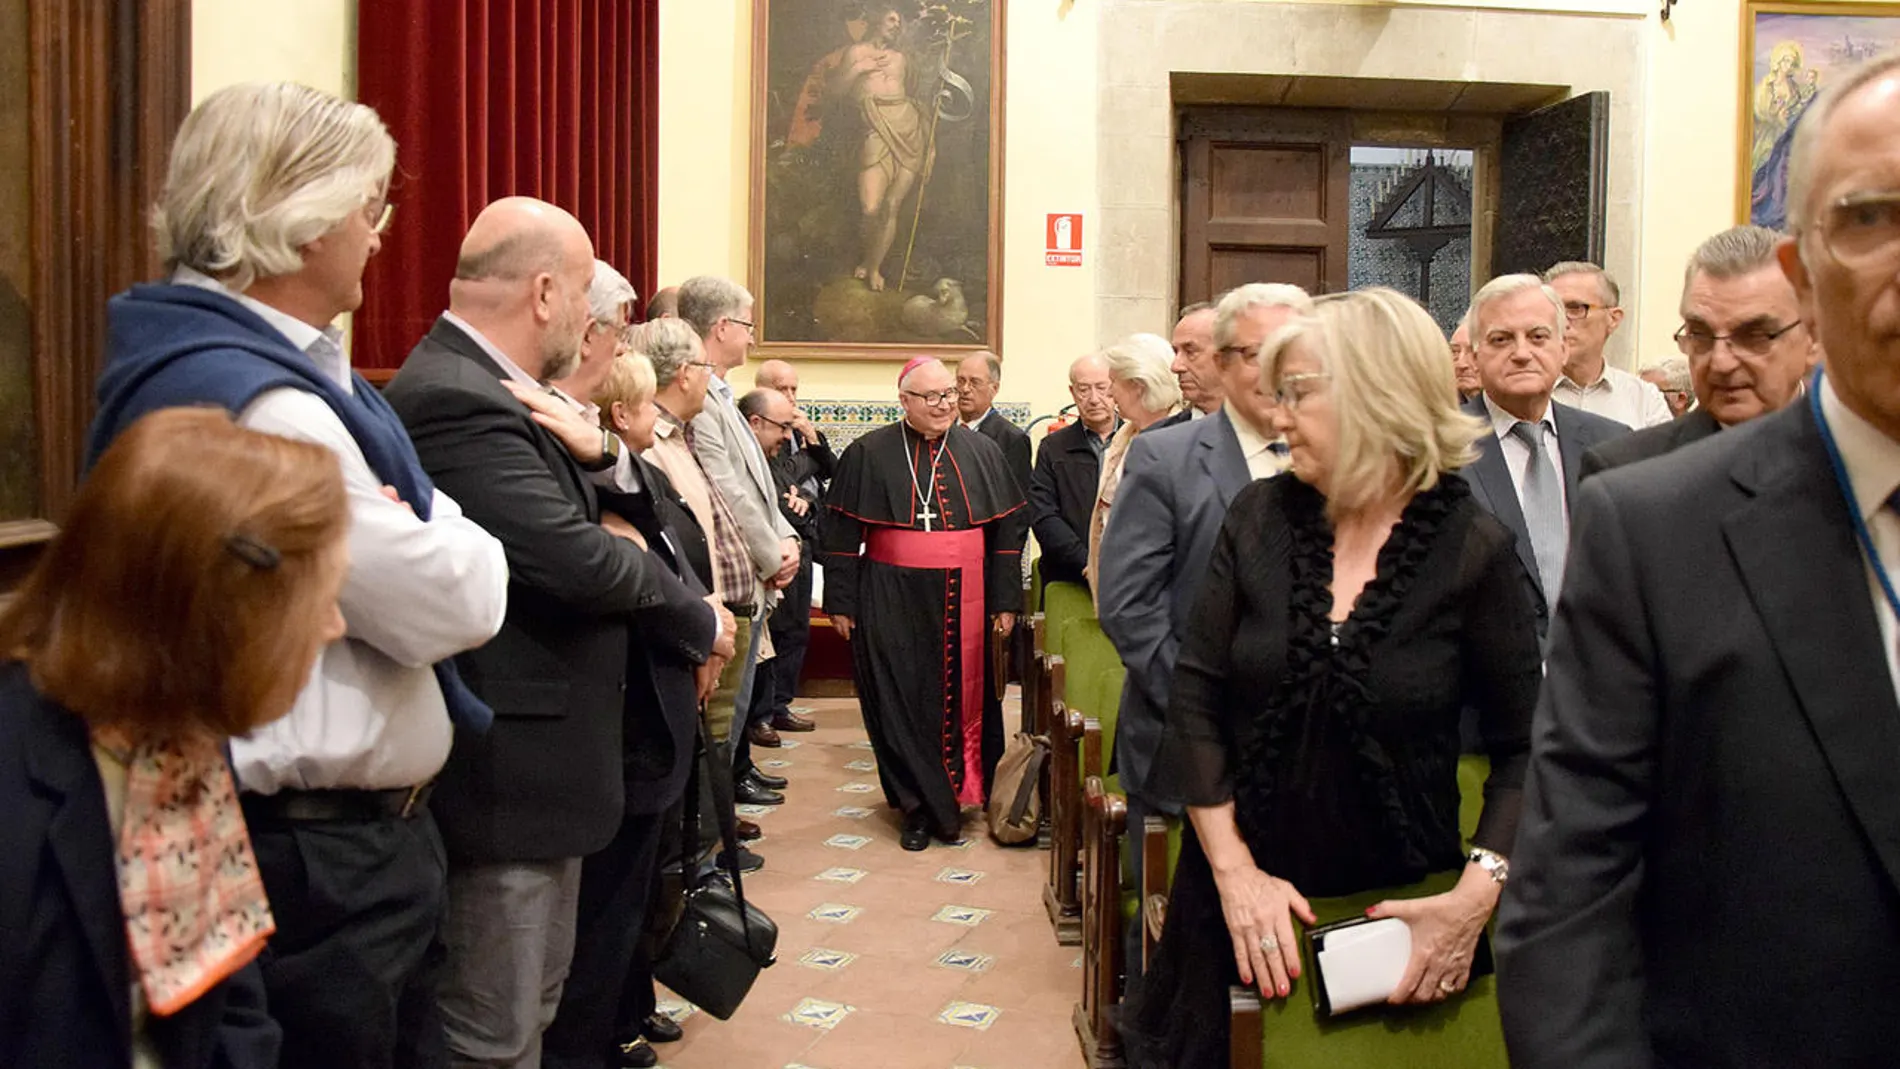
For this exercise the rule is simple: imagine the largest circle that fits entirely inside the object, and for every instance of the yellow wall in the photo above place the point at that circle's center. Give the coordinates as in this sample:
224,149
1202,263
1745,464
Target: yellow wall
1049,162
308,41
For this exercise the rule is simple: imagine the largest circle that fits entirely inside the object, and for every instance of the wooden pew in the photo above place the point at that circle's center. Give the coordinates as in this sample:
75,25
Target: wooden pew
1059,893
1156,878
1106,819
1038,717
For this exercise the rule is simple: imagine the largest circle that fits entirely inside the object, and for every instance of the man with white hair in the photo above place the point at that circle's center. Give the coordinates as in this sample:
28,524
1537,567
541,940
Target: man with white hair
1746,346
1464,359
979,376
1707,865
1592,312
1528,467
1068,469
1176,484
1671,376
520,807
923,536
273,203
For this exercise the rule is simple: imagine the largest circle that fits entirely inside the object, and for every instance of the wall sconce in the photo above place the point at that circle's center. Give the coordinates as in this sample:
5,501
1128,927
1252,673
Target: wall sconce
1666,5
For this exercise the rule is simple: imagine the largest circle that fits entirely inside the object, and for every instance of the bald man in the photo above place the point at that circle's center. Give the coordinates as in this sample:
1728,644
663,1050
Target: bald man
1068,469
587,612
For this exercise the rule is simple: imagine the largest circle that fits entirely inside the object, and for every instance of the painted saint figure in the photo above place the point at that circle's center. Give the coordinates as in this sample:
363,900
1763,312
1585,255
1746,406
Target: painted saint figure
896,140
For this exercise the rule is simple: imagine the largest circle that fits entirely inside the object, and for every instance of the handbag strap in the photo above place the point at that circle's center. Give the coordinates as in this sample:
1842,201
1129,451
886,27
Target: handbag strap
728,825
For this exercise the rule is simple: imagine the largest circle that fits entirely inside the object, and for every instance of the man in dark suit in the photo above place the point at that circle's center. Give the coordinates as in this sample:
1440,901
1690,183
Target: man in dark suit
521,805
1528,467
1176,485
1068,470
1707,868
1747,347
979,376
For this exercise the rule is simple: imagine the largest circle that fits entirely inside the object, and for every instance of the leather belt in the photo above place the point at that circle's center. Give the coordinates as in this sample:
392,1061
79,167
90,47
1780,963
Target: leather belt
743,612
353,806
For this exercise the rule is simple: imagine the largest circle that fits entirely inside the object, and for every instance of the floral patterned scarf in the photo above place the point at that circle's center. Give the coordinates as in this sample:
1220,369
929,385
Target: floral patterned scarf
195,909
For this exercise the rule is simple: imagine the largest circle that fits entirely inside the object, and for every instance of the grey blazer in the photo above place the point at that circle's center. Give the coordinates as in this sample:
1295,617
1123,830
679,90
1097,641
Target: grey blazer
730,453
1176,485
1577,433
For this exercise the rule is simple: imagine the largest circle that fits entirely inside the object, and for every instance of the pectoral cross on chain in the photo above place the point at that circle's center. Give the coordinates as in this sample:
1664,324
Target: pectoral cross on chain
926,515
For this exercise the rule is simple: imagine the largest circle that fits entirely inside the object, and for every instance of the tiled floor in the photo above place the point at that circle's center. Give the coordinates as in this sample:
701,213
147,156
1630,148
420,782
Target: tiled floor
887,960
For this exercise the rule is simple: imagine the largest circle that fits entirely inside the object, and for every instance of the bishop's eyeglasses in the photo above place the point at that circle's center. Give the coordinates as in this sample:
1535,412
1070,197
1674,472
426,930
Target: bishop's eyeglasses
933,398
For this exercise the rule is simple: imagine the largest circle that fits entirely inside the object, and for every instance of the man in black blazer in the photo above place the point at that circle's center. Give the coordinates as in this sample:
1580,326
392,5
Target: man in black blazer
1707,868
521,805
1068,472
1747,347
979,376
1527,469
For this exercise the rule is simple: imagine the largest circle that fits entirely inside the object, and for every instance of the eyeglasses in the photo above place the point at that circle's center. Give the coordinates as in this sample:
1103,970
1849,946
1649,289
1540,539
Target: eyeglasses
788,426
1576,310
379,217
1296,388
702,363
1752,340
1862,228
933,398
971,385
746,323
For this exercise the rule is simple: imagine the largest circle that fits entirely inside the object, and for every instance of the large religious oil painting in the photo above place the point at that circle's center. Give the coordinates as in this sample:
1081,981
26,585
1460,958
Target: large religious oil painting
877,177
1789,52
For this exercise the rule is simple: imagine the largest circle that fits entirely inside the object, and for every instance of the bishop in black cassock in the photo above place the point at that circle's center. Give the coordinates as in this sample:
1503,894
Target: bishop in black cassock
922,546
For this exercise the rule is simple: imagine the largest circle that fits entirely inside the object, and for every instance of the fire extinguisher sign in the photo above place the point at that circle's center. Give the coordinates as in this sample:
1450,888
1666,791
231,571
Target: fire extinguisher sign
1063,243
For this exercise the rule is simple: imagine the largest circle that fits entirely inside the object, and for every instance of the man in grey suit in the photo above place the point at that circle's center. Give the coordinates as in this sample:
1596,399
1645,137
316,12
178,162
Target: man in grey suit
1742,333
1176,485
721,311
1528,467
1708,860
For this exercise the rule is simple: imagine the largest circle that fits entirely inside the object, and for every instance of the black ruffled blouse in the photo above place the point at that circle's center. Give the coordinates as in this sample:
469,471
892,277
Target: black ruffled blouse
1340,746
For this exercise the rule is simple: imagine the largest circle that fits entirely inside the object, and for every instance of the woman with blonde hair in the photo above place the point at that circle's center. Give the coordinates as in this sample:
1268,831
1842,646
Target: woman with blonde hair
1352,609
1141,380
184,602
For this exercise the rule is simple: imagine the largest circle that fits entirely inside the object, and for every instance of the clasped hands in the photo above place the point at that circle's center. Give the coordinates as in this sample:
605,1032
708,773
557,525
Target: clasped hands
1259,908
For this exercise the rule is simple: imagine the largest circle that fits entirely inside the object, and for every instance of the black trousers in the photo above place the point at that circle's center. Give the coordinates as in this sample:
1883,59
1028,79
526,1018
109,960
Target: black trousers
352,968
617,886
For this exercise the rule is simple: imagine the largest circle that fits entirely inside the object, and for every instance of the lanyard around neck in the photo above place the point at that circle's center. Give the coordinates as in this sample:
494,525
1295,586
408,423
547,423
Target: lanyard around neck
1861,532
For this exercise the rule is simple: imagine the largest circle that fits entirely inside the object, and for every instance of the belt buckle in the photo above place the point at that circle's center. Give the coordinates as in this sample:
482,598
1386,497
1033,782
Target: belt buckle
415,798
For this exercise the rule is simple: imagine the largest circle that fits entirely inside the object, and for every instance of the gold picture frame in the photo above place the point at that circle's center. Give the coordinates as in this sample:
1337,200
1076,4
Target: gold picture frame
866,137
1788,49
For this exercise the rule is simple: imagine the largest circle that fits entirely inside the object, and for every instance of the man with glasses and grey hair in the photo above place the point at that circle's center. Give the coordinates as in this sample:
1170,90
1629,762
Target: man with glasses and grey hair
1707,865
1592,312
1746,345
274,200
922,539
1068,466
1176,484
1671,376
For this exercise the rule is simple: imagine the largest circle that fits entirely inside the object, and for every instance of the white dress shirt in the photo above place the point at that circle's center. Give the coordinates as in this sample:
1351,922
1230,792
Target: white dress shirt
973,424
1262,461
1517,455
1872,461
372,714
1617,395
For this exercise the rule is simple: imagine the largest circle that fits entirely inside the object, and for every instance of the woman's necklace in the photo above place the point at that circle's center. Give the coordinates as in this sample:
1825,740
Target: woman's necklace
926,515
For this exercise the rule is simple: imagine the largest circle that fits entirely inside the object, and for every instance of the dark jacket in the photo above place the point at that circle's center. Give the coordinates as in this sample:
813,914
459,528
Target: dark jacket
1062,493
1707,870
1649,442
546,781
65,971
1013,441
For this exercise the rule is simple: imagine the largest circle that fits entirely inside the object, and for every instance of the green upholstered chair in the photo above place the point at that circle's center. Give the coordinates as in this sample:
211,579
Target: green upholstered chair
1061,604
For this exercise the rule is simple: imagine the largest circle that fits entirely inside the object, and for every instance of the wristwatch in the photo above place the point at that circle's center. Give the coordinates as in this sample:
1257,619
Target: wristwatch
1493,863
609,452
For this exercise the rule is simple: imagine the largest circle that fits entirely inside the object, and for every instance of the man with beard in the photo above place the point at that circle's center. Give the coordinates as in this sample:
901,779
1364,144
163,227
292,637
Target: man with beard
923,536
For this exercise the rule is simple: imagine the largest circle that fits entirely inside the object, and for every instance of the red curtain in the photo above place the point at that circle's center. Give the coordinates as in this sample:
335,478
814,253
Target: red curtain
556,99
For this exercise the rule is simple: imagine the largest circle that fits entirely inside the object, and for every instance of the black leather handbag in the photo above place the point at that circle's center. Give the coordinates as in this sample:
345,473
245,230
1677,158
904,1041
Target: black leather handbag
720,943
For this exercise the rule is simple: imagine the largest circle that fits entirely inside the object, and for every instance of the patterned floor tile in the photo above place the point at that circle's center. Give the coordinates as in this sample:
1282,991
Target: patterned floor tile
860,766
852,812
849,842
826,960
841,875
970,1015
754,810
789,744
857,787
776,762
968,961
968,916
960,876
833,913
861,744
822,1015
677,1008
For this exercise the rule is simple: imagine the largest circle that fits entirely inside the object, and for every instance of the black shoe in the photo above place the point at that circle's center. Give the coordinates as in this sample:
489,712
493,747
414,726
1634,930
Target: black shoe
748,861
638,1055
770,783
746,792
660,1028
749,831
916,833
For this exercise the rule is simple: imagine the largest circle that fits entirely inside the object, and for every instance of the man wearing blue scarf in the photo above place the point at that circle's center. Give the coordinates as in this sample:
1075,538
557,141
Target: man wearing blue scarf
274,201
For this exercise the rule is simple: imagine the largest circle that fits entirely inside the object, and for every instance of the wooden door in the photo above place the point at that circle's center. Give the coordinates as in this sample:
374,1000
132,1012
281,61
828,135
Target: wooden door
1552,183
1264,198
